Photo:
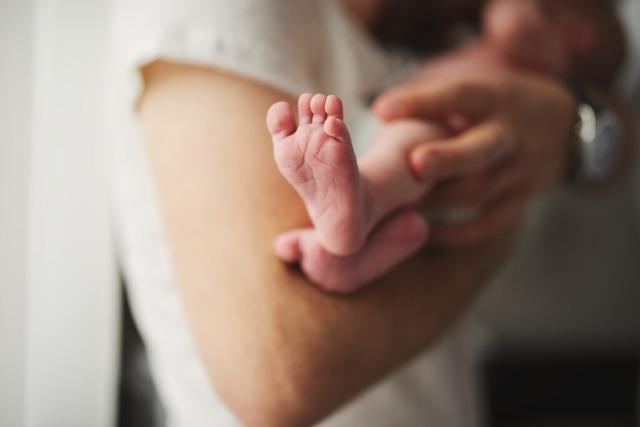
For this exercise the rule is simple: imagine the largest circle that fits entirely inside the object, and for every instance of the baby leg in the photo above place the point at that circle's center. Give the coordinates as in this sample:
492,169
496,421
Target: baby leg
386,184
394,241
385,167
317,158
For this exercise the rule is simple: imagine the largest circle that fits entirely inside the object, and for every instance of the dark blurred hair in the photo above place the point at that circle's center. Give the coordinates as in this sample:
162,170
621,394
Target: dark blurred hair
422,26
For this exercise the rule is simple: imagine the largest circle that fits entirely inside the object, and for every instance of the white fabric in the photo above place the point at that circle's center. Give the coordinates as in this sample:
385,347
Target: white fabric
296,46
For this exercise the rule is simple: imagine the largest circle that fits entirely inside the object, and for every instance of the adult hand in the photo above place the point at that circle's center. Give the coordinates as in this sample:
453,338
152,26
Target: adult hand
514,144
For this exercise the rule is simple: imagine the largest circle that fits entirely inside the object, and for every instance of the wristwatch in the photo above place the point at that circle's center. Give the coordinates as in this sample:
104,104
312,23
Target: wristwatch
597,140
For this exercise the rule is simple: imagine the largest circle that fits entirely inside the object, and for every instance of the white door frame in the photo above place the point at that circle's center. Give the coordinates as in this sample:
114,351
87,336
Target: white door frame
59,299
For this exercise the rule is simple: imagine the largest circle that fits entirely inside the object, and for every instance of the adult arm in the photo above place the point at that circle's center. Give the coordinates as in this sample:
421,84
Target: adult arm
278,351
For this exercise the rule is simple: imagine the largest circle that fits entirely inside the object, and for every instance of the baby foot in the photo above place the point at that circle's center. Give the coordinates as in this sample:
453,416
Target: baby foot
394,241
318,160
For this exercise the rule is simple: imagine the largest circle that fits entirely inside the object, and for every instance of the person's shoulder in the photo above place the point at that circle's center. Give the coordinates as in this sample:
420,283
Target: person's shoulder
270,21
276,42
224,13
252,25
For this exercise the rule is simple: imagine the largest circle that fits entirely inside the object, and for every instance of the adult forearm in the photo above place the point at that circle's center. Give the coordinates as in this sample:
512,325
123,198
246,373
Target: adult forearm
279,351
286,354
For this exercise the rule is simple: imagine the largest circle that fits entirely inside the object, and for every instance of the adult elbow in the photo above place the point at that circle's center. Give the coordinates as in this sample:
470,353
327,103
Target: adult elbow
269,396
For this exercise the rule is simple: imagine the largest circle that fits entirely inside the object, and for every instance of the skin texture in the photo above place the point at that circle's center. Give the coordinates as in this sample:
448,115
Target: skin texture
347,199
522,122
396,239
578,39
510,114
318,160
553,38
268,339
527,114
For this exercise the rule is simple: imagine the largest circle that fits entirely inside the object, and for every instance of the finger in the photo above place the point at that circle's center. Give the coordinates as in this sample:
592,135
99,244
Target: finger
474,190
437,101
475,150
496,220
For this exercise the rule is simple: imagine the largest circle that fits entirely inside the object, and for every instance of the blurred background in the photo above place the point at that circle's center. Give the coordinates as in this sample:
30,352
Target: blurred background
563,352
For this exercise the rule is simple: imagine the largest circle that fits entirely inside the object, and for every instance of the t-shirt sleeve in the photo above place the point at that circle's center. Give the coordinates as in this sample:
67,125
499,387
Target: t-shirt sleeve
270,41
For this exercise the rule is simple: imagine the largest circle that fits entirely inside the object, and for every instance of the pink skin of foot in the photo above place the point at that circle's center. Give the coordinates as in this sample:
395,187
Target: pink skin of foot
318,160
395,240
348,206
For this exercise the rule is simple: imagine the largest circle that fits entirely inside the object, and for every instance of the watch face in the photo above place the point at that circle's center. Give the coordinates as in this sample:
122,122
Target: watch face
602,153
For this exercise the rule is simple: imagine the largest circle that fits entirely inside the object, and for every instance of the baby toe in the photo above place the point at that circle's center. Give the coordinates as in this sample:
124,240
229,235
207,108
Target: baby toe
336,128
318,108
304,108
280,120
333,107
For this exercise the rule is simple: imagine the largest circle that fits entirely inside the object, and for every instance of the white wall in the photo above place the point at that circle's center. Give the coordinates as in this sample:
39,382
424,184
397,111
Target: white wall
58,292
15,88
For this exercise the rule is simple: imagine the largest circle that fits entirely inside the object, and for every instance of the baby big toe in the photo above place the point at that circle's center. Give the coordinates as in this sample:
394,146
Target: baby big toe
280,120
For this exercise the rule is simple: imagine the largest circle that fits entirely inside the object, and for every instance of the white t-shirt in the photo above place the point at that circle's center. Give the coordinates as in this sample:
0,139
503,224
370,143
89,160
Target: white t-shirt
295,46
